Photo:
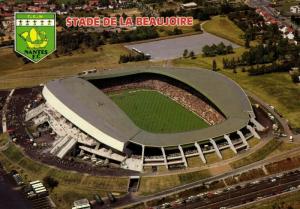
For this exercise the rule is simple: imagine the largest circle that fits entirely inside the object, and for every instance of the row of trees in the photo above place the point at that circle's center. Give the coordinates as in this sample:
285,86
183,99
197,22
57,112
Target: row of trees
187,54
141,33
176,31
69,41
264,69
133,58
214,50
265,53
295,19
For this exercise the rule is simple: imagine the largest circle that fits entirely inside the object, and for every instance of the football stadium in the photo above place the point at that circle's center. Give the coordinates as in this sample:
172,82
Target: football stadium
137,118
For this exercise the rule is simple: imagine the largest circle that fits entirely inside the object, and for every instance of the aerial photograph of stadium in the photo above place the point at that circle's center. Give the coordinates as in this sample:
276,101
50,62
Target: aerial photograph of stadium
149,104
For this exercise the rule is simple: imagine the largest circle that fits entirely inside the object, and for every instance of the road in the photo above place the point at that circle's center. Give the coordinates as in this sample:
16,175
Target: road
130,199
246,193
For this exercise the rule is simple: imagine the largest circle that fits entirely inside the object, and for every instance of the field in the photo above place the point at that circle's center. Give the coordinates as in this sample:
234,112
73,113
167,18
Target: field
206,62
153,112
150,185
14,73
72,185
225,28
284,6
258,155
3,139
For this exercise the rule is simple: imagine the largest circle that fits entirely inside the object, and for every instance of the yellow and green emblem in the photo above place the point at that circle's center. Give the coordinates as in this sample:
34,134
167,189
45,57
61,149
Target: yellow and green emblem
35,35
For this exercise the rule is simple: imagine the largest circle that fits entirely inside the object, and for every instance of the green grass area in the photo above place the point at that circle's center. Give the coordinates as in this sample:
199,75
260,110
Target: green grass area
150,185
284,6
276,89
206,62
291,200
253,141
260,154
72,185
154,112
227,153
14,73
3,139
223,27
212,157
13,154
194,161
284,147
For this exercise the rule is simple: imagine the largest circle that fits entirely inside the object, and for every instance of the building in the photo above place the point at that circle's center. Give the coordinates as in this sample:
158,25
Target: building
40,2
80,115
189,5
295,9
81,204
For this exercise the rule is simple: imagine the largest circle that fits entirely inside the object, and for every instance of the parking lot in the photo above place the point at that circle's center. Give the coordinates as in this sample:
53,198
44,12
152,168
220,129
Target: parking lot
10,198
173,48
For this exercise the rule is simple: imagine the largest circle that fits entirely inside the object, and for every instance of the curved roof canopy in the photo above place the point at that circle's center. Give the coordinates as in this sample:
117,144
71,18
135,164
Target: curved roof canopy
98,109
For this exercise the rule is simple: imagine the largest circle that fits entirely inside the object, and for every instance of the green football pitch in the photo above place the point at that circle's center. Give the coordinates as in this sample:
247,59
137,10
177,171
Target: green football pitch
154,112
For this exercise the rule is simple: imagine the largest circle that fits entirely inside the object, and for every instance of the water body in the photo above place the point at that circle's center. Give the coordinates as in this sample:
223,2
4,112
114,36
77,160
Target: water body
173,48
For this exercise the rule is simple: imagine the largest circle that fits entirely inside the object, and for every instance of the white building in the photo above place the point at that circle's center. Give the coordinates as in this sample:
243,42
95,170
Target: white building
81,204
189,5
295,9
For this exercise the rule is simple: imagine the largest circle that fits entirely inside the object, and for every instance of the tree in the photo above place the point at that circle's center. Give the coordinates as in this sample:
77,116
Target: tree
185,53
229,49
192,55
50,182
197,27
214,65
247,42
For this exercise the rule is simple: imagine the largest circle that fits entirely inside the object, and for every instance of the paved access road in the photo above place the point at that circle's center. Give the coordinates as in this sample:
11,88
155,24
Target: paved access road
247,193
173,48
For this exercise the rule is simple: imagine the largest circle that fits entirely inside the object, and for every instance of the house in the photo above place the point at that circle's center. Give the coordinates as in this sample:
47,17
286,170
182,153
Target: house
289,35
40,2
189,5
295,9
283,29
81,204
52,7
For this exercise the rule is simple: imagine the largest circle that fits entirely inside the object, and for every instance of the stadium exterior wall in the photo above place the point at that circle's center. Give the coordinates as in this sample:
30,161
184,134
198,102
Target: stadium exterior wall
80,122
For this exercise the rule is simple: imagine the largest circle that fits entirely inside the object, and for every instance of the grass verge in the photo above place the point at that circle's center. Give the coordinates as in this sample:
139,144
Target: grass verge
150,185
14,73
258,155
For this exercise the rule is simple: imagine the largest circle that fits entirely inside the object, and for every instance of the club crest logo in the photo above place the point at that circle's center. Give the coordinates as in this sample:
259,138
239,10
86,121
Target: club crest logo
35,34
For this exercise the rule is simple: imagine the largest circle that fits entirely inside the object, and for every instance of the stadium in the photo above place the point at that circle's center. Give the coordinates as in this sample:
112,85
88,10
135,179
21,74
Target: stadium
104,116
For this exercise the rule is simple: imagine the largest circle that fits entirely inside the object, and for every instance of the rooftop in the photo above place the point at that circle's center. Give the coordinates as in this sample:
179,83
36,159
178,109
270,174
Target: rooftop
98,109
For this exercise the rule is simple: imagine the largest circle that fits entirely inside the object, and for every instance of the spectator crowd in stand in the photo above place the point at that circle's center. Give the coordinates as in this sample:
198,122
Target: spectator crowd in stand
183,97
